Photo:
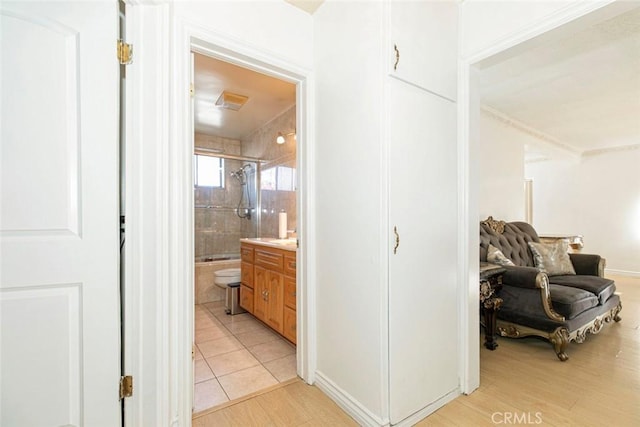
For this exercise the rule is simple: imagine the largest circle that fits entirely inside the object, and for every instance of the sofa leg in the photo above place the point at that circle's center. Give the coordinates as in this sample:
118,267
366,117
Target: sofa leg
616,316
560,339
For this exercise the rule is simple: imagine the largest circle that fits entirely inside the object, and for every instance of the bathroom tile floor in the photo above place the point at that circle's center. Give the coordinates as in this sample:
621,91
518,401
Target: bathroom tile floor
236,356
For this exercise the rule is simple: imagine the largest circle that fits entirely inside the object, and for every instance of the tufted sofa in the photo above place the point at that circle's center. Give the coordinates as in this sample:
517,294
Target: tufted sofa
559,308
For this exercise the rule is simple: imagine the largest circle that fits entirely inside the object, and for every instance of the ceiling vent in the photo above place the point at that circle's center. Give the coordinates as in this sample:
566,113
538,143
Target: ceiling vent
231,101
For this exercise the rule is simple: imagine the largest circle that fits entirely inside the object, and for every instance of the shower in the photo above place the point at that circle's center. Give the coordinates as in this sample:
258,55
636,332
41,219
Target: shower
241,176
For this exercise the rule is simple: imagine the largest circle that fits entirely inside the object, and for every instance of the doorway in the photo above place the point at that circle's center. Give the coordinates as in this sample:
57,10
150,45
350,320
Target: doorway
244,172
546,39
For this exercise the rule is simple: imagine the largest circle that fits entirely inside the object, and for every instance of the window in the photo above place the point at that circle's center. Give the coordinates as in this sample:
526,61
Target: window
280,178
209,171
286,180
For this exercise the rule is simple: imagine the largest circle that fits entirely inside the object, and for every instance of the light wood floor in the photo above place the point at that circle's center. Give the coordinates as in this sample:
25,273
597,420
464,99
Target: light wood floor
521,381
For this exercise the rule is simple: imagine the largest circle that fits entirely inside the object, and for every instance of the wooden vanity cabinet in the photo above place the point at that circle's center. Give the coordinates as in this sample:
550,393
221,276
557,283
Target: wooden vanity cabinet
268,289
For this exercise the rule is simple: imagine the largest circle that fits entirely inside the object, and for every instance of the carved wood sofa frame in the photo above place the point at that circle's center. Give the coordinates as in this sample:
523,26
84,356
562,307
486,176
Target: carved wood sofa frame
561,336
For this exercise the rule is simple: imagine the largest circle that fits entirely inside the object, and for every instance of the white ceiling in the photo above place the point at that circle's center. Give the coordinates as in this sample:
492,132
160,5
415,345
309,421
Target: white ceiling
580,91
268,98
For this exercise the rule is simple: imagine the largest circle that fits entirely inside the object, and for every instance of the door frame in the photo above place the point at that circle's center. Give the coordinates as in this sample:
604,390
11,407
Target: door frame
159,294
468,147
190,38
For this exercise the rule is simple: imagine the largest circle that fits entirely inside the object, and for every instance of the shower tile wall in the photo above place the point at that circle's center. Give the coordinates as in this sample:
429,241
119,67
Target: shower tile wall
218,230
261,144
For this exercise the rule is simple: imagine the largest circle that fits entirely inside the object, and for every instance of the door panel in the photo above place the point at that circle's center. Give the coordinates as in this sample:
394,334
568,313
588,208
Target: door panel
422,273
275,300
59,296
424,35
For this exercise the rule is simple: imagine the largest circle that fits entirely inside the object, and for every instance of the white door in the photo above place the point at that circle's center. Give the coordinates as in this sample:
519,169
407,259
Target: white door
59,296
424,41
423,310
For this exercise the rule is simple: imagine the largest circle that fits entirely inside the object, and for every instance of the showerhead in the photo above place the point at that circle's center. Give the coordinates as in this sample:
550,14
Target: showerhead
240,174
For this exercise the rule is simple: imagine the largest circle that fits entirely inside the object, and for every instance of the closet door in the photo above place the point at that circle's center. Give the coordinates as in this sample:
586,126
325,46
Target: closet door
423,311
423,48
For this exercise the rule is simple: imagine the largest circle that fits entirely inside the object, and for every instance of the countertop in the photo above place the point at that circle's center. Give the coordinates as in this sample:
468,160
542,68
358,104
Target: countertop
286,244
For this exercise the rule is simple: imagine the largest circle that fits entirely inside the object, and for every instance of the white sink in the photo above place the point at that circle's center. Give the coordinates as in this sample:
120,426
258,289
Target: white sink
290,241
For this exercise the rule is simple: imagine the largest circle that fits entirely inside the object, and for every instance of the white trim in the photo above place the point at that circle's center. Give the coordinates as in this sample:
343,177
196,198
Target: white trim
625,273
524,128
423,413
562,16
181,207
348,403
385,225
598,151
469,372
306,270
193,37
548,139
147,341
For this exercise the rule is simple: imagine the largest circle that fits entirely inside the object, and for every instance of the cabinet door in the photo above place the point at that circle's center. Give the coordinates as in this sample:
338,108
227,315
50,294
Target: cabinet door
246,252
246,274
290,264
423,312
424,44
289,328
275,300
259,289
246,298
290,292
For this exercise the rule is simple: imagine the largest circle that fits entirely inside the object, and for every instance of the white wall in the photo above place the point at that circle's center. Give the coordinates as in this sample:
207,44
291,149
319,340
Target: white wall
273,27
501,168
598,197
348,197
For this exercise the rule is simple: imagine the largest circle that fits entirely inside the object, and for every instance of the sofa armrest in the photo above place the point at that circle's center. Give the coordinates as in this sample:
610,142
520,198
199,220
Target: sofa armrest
521,277
532,278
588,264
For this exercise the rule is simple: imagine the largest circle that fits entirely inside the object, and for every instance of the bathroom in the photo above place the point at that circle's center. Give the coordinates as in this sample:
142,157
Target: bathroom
244,188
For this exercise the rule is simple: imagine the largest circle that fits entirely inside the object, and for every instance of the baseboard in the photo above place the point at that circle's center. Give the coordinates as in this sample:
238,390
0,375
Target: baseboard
622,272
364,417
429,409
348,403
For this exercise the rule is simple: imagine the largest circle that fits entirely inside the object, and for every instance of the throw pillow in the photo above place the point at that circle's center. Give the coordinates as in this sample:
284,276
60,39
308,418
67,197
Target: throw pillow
495,256
552,258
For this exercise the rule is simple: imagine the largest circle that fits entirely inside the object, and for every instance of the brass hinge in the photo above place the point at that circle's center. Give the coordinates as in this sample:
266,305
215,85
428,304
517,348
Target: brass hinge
126,386
192,90
125,52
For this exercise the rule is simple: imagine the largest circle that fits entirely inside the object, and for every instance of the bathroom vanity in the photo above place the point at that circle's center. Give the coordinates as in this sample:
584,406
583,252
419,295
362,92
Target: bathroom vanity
268,276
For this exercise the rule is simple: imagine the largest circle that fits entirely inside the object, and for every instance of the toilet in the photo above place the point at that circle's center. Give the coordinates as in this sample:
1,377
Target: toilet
229,280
